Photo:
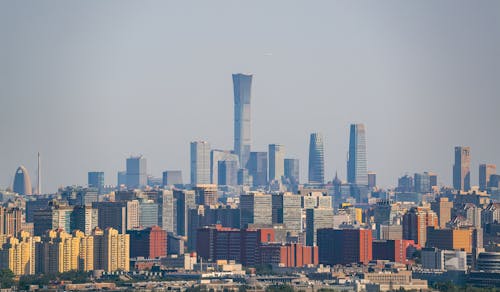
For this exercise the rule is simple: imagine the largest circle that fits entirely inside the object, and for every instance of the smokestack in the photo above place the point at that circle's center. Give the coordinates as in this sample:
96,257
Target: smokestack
39,176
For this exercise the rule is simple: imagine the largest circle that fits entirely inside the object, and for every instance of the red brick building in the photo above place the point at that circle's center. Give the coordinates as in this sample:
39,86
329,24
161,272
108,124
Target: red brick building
148,243
392,250
288,255
344,246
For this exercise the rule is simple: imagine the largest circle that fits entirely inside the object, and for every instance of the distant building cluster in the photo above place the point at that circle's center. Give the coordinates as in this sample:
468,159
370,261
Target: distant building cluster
244,208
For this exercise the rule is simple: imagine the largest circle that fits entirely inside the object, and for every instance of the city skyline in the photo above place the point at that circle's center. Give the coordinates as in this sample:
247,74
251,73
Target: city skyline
412,86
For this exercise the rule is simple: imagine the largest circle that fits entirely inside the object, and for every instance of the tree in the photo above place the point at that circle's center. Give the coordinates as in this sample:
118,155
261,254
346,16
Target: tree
6,278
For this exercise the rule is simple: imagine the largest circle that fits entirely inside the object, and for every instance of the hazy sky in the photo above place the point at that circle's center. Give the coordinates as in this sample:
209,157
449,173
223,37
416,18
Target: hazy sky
88,83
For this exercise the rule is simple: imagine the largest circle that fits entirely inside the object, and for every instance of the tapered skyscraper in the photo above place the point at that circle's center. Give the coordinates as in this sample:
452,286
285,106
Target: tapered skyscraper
461,169
316,159
356,163
22,182
242,85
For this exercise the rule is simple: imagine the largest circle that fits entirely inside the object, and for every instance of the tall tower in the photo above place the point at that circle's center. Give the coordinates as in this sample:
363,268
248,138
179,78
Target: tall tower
356,164
461,169
22,182
39,177
200,162
316,159
242,85
485,171
136,172
276,161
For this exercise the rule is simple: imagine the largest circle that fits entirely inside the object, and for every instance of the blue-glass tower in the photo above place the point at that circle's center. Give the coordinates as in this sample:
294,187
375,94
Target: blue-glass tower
356,164
242,85
316,159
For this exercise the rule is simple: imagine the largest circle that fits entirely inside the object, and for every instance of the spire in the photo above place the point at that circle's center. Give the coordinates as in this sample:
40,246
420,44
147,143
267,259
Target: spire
39,177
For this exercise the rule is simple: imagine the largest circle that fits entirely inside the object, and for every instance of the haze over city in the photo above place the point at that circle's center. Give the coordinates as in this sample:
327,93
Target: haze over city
87,84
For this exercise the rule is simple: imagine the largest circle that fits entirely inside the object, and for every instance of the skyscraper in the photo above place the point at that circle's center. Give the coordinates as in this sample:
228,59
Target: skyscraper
255,208
217,156
257,167
172,177
485,171
136,172
316,159
22,182
461,169
276,161
200,162
292,170
227,173
242,85
96,180
356,164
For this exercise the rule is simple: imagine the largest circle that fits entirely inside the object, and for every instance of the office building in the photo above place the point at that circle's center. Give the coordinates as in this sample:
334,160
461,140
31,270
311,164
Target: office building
461,169
316,219
453,239
148,243
137,176
276,161
219,156
53,217
433,179
442,206
485,171
96,180
185,200
172,177
356,163
316,159
288,255
242,86
415,223
121,216
227,173
85,219
372,179
449,260
257,168
121,179
148,214
286,209
422,182
206,194
255,208
344,246
392,250
292,170
167,211
200,162
22,181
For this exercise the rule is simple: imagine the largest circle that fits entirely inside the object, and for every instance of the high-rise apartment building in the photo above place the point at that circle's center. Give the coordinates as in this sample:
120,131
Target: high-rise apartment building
485,171
316,159
111,250
276,161
257,168
461,169
242,85
22,181
200,162
17,254
137,176
96,180
10,220
356,164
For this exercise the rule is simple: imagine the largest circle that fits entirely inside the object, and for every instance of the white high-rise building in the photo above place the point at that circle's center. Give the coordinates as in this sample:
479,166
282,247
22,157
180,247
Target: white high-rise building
200,162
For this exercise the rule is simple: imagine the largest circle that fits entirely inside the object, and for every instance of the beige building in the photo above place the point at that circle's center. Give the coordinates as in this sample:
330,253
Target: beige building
111,250
18,255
